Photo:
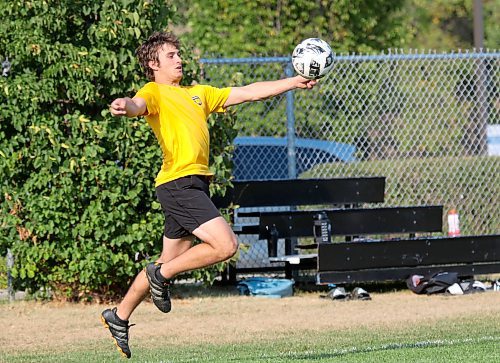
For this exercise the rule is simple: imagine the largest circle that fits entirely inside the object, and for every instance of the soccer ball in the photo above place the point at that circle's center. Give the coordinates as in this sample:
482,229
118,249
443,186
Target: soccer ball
312,58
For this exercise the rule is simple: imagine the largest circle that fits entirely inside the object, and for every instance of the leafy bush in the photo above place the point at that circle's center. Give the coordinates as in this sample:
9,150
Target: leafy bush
77,199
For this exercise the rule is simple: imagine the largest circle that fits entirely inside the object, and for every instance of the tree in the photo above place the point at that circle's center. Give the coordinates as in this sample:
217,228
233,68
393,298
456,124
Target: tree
448,25
77,195
240,28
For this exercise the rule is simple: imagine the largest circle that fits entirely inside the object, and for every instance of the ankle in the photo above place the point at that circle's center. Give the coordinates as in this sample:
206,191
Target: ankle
161,276
121,317
164,273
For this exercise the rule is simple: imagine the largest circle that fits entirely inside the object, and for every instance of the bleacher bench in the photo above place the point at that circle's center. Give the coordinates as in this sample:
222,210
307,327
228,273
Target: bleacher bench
380,244
262,195
352,262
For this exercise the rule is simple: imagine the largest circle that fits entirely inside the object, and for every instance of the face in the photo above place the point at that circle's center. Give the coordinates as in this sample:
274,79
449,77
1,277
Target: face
169,67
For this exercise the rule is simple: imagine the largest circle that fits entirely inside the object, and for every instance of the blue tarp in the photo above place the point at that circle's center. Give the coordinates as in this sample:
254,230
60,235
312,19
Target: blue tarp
266,287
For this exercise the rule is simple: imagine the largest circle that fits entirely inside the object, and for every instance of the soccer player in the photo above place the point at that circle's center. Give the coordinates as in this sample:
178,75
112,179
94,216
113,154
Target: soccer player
178,116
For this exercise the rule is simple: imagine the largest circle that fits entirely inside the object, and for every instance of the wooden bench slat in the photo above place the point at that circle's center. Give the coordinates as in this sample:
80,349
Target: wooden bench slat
295,192
402,273
246,229
408,253
347,222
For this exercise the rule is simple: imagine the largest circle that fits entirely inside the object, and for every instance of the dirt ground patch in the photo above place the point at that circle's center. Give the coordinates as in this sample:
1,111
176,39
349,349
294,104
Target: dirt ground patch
28,326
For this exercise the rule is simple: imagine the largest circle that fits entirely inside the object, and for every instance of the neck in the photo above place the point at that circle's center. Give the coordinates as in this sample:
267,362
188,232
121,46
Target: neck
168,81
174,84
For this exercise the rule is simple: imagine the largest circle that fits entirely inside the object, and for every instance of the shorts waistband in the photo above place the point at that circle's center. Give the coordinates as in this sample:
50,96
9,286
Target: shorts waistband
204,178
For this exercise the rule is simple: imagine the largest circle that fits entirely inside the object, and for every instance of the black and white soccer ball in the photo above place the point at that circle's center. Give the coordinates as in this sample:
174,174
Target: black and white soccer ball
312,58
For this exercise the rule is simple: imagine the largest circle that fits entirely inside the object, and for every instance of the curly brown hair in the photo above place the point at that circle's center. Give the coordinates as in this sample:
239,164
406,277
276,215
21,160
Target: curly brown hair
148,51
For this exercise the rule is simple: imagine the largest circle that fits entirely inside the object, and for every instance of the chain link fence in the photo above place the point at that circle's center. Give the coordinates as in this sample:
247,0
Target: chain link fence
428,122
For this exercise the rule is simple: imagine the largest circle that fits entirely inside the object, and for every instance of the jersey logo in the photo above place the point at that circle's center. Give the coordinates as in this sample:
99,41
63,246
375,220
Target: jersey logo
196,100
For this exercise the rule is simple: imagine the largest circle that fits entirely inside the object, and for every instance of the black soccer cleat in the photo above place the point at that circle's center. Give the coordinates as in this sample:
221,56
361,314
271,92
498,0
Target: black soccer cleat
160,291
119,330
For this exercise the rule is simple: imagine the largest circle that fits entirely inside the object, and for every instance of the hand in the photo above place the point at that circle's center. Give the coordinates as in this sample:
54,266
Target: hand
305,83
119,107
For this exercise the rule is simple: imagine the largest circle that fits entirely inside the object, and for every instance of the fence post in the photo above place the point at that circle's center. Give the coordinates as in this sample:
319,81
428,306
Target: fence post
477,131
290,127
10,285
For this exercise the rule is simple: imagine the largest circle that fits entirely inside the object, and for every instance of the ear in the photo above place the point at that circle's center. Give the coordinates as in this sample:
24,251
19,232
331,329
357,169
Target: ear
153,65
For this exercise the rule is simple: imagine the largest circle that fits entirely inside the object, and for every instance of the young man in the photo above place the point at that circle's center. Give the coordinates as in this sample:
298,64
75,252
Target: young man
178,116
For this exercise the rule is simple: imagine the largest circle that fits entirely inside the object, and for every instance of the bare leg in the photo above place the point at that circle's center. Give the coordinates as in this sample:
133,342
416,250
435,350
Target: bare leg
219,244
140,287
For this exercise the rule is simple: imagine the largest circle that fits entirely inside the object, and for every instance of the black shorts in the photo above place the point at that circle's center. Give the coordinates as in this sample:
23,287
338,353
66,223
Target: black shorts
186,204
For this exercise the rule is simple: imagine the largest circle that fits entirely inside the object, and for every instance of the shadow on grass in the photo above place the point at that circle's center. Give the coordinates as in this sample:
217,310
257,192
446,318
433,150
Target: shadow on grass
188,291
195,290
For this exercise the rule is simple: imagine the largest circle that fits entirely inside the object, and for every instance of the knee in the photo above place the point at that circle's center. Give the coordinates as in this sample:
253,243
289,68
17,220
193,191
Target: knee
234,248
228,249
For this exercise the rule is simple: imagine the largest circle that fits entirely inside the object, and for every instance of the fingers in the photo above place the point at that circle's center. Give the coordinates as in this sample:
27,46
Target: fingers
118,107
306,83
311,83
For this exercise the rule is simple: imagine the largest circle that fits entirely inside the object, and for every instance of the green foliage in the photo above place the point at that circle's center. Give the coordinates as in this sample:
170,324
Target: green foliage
241,28
274,27
448,24
77,199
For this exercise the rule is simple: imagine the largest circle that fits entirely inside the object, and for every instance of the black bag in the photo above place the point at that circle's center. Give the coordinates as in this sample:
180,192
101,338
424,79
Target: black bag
433,283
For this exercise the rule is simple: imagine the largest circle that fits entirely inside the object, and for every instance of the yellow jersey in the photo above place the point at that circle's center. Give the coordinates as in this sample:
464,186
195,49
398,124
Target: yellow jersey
178,117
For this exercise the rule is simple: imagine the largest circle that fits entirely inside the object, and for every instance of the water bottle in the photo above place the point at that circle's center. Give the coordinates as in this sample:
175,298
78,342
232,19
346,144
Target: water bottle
322,228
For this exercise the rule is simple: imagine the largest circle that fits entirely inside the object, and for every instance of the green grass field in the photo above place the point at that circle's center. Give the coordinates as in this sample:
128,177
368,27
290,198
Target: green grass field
466,333
464,341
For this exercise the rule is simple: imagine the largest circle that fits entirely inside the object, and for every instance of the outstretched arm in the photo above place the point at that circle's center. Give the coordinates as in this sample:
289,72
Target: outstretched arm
262,90
129,107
